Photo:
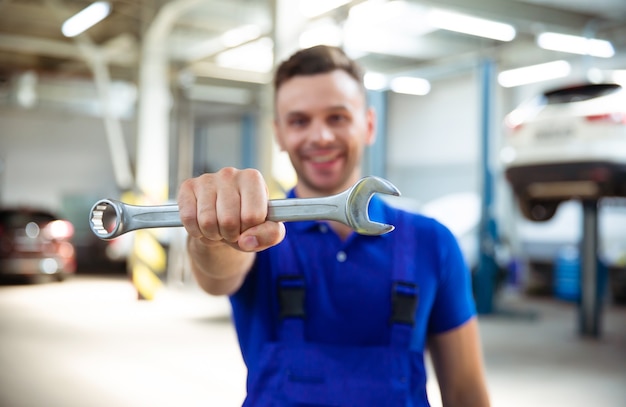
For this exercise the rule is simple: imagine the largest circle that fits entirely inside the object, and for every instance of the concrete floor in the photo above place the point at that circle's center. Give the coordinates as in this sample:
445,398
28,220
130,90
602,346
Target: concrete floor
88,343
543,361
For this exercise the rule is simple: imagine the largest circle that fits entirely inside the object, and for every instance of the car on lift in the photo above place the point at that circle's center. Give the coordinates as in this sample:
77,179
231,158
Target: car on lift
35,242
564,146
568,143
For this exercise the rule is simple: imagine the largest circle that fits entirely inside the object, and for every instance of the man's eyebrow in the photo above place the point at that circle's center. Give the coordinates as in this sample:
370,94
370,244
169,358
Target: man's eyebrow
296,113
334,108
338,107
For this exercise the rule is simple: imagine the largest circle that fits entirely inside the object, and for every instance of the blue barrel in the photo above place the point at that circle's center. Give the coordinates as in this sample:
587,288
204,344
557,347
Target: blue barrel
567,274
567,269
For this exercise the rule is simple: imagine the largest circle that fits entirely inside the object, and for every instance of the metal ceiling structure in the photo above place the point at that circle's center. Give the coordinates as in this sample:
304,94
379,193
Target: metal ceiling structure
31,38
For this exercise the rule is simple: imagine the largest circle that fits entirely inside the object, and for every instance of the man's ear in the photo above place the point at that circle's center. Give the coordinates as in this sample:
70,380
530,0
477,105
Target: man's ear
370,137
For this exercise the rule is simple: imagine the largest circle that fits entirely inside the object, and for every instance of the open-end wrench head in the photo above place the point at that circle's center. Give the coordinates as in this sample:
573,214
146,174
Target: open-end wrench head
357,203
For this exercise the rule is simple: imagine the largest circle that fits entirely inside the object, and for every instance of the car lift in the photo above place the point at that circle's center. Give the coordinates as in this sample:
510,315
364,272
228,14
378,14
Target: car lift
590,305
486,274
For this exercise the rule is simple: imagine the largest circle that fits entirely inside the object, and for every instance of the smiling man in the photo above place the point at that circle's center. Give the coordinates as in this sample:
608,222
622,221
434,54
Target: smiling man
326,317
324,124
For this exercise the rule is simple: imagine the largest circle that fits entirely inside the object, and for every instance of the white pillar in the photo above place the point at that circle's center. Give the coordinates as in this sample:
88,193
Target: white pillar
155,103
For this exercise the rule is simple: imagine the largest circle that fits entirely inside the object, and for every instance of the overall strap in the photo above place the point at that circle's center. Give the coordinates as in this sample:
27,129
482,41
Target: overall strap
405,292
290,289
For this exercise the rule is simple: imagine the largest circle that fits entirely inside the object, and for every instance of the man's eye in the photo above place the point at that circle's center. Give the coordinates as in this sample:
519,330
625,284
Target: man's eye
298,122
337,119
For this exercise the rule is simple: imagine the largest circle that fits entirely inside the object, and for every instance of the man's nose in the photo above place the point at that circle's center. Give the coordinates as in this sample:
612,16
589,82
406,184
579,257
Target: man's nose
321,133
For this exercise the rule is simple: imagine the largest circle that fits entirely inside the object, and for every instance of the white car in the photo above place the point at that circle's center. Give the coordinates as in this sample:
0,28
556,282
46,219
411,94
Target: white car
569,143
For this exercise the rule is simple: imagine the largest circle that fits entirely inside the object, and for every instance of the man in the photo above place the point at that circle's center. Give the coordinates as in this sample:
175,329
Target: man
326,317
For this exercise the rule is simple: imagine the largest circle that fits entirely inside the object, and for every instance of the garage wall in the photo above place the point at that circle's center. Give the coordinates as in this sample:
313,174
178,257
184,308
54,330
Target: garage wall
433,146
434,140
219,144
48,155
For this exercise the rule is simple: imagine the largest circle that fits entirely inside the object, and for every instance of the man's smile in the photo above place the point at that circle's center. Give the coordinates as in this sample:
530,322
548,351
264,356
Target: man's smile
321,158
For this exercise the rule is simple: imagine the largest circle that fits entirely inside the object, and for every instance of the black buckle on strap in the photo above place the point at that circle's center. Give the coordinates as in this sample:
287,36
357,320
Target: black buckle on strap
404,299
291,296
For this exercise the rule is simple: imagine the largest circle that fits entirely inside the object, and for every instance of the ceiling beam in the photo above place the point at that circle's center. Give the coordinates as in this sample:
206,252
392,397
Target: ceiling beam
61,49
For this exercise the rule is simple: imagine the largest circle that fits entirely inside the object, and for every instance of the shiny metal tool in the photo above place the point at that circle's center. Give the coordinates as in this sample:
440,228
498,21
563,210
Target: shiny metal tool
109,219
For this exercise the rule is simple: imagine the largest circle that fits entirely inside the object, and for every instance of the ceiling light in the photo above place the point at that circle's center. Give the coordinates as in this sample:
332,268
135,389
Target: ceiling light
375,81
397,16
241,35
255,56
325,33
392,27
534,73
575,45
410,85
86,18
314,8
465,24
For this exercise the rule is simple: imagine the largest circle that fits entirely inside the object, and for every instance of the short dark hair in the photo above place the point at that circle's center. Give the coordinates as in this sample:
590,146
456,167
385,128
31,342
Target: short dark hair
317,60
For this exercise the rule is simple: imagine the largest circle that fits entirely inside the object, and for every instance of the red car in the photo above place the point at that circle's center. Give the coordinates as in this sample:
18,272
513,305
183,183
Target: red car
35,242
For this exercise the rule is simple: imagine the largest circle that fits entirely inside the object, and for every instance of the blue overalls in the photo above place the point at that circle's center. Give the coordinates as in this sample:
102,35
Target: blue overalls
296,372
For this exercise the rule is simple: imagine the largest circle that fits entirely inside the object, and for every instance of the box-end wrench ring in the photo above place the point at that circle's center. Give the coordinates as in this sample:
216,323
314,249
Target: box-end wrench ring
109,218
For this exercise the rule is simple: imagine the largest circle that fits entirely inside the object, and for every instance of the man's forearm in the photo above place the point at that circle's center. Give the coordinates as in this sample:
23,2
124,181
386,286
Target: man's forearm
218,268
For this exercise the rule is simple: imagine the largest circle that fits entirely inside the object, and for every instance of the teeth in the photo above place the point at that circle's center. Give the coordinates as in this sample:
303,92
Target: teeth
323,158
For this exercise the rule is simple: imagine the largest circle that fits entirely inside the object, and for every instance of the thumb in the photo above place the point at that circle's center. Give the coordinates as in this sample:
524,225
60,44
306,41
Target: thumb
262,237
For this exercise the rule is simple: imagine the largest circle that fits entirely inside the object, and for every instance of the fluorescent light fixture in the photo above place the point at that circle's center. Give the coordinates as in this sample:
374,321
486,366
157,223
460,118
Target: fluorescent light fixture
375,81
314,8
241,35
396,16
575,45
534,73
255,56
465,24
410,85
391,27
325,33
86,18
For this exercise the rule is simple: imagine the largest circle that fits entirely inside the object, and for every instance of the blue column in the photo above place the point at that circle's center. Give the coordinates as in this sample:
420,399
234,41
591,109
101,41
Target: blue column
248,141
486,273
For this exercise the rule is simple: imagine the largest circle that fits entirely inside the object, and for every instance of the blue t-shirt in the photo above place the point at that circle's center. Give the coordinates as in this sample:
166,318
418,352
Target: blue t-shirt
349,285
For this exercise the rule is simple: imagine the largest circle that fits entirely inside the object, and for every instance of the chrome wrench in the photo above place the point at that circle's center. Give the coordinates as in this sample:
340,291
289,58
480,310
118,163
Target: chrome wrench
109,219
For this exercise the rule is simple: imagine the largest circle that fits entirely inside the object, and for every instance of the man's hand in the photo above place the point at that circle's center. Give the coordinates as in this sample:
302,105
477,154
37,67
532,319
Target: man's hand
229,206
223,211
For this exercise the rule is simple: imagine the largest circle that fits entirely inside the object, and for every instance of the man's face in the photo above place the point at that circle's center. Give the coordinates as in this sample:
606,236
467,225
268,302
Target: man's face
323,123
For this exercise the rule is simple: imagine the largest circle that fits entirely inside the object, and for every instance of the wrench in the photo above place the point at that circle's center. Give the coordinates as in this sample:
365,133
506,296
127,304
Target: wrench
109,218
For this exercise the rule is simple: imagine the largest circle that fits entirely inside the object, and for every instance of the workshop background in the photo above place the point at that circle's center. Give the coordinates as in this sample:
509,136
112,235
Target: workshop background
157,91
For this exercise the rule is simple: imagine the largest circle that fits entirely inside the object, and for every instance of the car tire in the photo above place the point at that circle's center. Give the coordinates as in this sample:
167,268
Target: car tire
538,210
